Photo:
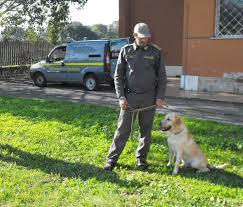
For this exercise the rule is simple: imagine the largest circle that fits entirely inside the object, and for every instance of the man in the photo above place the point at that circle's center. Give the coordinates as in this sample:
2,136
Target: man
140,82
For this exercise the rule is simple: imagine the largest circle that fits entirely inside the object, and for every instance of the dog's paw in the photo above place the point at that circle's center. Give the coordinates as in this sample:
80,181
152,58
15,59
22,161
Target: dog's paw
175,172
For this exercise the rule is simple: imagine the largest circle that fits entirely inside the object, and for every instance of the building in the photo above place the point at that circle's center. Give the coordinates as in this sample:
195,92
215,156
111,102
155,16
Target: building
202,39
115,25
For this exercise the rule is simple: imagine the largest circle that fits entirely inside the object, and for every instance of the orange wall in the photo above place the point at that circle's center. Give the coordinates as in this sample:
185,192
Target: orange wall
184,29
214,57
203,55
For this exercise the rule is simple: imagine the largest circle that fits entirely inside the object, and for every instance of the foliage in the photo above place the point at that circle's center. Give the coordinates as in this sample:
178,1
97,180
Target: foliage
32,35
113,32
101,30
19,33
104,31
13,32
52,153
77,31
34,13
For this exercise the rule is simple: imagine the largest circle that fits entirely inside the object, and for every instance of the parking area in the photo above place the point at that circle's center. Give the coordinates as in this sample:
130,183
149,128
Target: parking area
222,111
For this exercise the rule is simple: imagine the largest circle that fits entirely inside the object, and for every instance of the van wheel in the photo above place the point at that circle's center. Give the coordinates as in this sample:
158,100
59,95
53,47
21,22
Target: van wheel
39,80
90,82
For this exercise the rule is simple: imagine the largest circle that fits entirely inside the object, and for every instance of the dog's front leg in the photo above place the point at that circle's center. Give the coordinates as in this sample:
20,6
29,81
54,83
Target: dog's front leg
177,163
171,156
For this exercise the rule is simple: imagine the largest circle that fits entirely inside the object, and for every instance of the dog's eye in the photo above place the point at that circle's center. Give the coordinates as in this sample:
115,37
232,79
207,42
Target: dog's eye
168,119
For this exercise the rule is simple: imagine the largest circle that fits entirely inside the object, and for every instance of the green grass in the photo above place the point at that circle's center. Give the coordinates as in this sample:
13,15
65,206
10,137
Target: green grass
52,154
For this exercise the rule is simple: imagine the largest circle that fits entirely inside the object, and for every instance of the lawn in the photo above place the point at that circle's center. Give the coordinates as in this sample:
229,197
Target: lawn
52,154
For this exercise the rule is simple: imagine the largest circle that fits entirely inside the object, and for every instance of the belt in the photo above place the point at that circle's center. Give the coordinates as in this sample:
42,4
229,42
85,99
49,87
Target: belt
128,90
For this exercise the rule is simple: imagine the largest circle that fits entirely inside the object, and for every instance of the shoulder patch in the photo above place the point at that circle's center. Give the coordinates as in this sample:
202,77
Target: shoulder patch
156,46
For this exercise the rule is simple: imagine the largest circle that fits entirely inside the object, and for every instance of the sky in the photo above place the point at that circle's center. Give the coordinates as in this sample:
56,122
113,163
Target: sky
96,12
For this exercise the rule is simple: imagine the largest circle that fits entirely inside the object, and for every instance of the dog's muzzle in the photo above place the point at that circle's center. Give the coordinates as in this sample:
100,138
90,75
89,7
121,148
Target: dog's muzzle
165,128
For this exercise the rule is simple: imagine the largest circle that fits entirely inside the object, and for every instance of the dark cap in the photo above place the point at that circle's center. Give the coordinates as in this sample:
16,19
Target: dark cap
142,30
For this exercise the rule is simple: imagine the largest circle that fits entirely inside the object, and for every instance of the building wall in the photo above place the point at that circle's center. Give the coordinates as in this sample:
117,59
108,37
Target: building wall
185,29
124,18
204,55
165,19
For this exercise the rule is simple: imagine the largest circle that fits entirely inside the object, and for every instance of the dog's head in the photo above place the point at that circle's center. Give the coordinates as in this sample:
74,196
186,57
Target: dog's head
172,123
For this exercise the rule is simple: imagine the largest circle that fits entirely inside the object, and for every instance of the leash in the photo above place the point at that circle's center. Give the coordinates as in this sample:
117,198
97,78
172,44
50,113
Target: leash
134,111
130,109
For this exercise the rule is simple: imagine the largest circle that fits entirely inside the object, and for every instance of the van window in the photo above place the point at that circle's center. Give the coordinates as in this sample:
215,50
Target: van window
79,52
58,54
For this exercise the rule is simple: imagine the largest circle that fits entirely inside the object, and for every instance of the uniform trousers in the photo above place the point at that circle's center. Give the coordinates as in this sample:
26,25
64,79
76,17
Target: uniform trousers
145,120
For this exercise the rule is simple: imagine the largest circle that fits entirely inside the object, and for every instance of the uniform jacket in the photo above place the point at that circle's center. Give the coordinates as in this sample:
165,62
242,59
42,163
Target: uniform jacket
140,70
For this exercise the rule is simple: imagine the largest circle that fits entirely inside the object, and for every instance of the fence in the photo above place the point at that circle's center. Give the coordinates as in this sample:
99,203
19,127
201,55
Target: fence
17,56
14,73
15,53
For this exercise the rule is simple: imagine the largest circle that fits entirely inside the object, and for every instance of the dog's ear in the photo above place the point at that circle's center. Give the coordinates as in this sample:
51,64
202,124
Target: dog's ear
177,124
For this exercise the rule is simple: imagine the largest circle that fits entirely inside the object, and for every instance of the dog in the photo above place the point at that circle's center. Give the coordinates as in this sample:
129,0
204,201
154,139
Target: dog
183,146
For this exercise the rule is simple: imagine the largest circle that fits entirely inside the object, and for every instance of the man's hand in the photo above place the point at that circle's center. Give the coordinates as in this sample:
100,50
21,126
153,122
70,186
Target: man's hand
160,103
123,103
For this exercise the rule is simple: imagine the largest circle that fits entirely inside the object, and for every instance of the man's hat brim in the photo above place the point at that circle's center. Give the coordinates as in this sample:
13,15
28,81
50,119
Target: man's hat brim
142,35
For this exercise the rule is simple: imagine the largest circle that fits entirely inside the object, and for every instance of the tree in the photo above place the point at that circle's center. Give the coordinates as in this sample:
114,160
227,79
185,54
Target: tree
77,31
112,34
113,30
35,13
104,31
13,33
19,33
101,30
32,35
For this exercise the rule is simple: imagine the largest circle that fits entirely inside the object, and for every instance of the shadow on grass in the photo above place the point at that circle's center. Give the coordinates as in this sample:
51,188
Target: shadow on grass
62,168
218,177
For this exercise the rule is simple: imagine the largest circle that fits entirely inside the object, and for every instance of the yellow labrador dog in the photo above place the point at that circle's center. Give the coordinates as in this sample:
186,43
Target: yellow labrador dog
183,146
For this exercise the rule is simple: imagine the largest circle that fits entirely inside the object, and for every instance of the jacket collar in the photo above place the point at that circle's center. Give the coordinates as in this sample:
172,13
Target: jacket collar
135,46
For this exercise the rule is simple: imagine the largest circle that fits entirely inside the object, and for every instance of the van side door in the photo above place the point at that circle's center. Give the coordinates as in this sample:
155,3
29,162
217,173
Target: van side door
55,69
84,57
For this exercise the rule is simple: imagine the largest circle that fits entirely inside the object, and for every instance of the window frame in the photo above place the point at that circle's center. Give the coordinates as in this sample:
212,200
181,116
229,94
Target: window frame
217,25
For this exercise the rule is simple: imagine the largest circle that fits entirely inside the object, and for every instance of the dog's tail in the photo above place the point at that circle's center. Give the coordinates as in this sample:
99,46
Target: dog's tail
219,167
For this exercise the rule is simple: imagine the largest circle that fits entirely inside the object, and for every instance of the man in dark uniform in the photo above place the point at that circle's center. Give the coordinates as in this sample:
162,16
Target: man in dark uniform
140,82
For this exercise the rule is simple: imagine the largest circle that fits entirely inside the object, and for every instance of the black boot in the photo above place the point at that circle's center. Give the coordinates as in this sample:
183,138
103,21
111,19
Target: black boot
109,166
142,164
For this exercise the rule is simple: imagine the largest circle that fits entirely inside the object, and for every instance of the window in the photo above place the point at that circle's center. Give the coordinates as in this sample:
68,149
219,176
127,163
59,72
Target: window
229,18
82,52
58,54
116,46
